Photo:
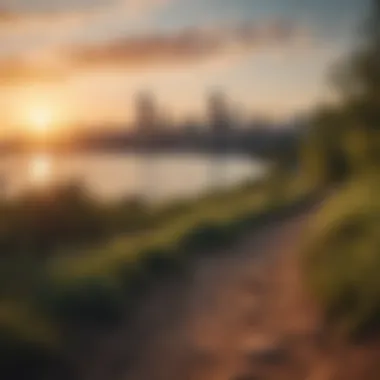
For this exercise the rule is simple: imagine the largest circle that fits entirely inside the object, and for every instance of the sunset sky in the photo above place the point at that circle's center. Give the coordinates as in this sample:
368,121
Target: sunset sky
82,61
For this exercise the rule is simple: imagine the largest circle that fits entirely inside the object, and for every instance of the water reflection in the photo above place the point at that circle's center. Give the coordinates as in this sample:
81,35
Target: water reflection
112,176
40,170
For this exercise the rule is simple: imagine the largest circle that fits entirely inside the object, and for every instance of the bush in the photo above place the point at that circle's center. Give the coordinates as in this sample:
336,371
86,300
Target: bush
27,360
29,346
206,236
343,258
134,282
159,262
94,288
130,215
86,302
41,222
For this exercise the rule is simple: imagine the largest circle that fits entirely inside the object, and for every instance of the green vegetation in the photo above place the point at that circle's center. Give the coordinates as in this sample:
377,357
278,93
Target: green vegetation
342,153
82,266
70,264
344,257
42,222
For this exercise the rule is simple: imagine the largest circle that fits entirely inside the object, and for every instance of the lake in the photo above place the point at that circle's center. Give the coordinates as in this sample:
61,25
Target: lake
112,176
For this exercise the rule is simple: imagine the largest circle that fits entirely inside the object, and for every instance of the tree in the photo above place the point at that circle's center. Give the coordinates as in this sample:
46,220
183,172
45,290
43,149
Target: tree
346,136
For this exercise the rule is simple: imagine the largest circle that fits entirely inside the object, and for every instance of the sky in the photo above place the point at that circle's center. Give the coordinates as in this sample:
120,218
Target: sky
75,62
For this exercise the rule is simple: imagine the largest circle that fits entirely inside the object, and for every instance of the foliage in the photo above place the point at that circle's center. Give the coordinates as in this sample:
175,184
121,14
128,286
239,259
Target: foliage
86,302
343,254
75,287
43,221
28,343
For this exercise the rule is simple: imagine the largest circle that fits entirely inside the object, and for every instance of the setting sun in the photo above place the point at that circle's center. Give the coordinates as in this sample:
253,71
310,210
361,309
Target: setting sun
41,120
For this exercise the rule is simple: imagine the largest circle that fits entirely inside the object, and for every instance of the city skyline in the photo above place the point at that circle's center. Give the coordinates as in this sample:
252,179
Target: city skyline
74,62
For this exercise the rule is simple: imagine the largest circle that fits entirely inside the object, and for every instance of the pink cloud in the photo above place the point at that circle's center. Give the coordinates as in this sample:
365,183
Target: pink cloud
156,50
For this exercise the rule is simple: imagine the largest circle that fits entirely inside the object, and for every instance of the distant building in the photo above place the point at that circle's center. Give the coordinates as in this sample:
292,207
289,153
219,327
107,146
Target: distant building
164,120
219,113
146,114
191,125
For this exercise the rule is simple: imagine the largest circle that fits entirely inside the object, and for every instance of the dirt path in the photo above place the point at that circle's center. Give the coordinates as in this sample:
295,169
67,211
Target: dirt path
228,320
239,316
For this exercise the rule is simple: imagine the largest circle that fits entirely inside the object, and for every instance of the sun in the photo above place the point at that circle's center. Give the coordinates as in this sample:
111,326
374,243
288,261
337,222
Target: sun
41,121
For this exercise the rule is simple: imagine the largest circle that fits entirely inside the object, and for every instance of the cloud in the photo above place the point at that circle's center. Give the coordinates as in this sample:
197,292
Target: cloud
151,51
70,13
185,46
6,16
18,15
26,31
21,71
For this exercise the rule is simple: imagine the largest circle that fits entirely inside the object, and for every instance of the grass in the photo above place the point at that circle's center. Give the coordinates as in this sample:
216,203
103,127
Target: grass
29,343
130,263
63,217
343,257
90,276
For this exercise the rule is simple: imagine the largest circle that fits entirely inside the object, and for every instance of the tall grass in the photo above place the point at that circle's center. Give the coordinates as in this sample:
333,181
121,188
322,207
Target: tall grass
85,265
343,257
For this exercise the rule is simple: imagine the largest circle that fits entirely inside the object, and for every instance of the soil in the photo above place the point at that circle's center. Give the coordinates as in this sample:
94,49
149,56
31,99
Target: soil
242,314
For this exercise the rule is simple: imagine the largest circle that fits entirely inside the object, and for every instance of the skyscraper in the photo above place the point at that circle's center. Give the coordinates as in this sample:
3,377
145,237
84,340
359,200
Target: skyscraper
145,113
218,113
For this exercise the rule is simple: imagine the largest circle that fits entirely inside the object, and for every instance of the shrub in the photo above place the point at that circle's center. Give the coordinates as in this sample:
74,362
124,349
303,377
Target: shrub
127,216
159,262
343,258
26,359
134,283
41,222
203,237
85,302
29,346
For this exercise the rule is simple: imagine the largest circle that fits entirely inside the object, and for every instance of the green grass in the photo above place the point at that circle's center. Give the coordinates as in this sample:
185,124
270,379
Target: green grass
131,263
343,257
29,343
81,282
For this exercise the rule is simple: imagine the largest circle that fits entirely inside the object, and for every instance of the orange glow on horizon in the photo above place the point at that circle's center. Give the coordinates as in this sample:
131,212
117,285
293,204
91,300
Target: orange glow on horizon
41,121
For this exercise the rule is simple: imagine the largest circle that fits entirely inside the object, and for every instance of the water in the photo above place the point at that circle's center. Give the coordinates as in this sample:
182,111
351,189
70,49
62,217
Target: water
113,176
